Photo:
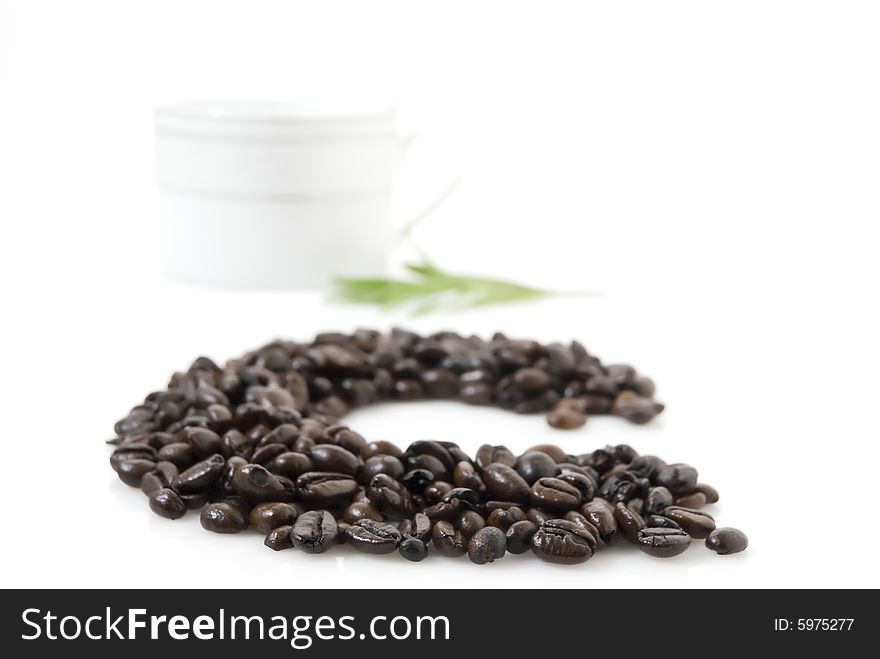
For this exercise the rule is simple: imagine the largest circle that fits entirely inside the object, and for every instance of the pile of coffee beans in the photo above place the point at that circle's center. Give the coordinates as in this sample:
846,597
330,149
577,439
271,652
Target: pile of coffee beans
257,443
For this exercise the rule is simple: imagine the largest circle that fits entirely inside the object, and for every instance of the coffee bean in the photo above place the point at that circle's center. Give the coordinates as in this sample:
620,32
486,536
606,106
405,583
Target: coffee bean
504,518
360,510
469,522
290,464
254,483
166,503
601,515
382,464
663,543
329,457
555,494
519,536
693,500
707,491
488,454
200,477
727,540
325,490
413,549
314,532
270,515
660,522
487,545
635,408
534,465
567,414
696,523
628,521
373,537
657,499
279,538
505,483
223,518
678,478
448,540
562,541
390,496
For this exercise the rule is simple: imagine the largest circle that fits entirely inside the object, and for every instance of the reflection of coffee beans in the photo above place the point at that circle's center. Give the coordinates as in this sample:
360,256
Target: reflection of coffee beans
257,444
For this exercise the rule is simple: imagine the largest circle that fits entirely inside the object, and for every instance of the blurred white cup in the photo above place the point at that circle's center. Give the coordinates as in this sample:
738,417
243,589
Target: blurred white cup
275,195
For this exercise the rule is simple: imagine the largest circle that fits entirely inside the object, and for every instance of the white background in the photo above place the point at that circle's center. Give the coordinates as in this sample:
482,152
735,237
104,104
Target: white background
710,167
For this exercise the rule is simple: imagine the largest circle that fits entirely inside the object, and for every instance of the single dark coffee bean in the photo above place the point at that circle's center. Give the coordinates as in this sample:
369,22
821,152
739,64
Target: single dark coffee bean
503,482
707,491
380,447
279,538
584,483
677,478
628,522
465,475
657,500
360,510
254,483
413,549
165,502
180,454
488,454
601,515
469,522
487,545
314,532
468,497
373,537
534,465
646,466
329,457
696,523
532,381
390,496
519,536
266,452
635,408
538,516
567,414
223,518
290,464
562,541
162,476
194,501
693,500
663,543
382,464
727,540
200,477
325,490
555,494
503,518
660,522
435,491
448,540
131,471
270,515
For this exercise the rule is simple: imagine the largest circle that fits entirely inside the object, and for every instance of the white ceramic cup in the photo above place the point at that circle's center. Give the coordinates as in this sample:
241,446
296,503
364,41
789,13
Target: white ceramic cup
274,195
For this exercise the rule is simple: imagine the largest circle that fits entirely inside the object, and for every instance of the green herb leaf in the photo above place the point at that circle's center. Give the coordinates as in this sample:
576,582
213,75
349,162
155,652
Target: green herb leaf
432,288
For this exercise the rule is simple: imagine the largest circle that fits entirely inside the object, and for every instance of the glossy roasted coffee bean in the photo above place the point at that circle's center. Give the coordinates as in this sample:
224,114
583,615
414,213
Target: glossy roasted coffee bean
166,503
657,500
390,496
707,491
200,477
663,543
693,500
162,476
279,538
270,515
329,457
538,516
254,483
413,549
325,490
448,540
204,442
487,545
488,454
567,414
360,510
727,540
380,447
373,537
519,536
132,470
696,523
178,453
534,465
660,522
223,518
629,522
314,532
382,464
635,408
601,515
555,494
465,475
562,541
290,464
504,518
504,483
581,481
677,478
469,522
435,491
